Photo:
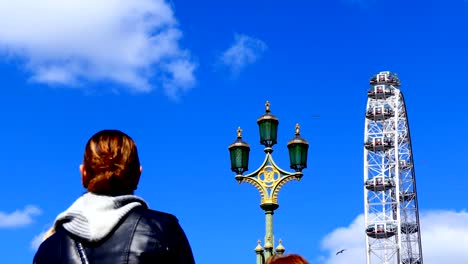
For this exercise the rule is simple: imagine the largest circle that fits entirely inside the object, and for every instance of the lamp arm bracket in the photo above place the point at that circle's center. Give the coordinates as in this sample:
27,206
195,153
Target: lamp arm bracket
260,187
294,176
272,162
269,186
257,171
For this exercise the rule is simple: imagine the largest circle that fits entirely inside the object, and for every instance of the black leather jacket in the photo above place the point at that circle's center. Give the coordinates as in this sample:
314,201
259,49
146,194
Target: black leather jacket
144,236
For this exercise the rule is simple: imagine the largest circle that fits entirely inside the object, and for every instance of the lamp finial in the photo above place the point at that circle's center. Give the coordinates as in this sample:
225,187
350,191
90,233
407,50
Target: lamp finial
267,106
297,129
239,132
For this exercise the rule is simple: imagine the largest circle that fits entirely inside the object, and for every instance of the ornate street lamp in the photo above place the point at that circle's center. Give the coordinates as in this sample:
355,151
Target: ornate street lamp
239,151
269,177
298,151
268,128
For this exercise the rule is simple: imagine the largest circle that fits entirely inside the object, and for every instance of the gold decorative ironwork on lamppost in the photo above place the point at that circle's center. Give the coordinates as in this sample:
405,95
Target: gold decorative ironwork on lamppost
269,177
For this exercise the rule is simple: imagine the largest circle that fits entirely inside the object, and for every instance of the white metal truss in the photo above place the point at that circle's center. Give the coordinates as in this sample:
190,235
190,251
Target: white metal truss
390,198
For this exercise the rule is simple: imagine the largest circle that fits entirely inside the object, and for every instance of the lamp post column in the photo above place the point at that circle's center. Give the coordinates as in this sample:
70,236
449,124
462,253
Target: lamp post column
269,235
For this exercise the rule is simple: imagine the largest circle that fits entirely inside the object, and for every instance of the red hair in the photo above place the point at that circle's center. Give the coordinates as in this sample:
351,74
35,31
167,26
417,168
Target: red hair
111,164
287,259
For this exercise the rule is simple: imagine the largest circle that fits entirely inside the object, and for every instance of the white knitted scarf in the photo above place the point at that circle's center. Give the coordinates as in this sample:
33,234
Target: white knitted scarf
92,217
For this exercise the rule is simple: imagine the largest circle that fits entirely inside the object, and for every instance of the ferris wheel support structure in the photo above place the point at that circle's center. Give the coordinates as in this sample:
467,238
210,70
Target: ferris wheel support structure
390,197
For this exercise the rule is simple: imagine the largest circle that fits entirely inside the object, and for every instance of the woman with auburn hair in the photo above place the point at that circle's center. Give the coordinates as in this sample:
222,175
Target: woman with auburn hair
287,259
109,224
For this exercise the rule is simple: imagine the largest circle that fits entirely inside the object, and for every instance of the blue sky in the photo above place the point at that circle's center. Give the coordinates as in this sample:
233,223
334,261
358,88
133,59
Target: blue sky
181,76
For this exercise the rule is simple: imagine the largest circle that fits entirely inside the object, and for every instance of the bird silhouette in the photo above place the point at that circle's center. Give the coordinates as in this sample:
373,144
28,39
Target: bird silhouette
341,251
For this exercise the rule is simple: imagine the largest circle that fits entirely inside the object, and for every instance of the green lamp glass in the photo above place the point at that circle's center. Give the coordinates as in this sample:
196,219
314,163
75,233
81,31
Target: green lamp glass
298,148
239,152
268,127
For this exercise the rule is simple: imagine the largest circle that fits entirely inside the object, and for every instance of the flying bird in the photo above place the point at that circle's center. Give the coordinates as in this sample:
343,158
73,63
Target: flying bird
341,251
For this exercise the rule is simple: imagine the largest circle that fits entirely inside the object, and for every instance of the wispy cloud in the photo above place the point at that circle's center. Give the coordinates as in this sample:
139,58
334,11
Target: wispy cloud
244,51
443,235
132,43
180,79
19,218
37,240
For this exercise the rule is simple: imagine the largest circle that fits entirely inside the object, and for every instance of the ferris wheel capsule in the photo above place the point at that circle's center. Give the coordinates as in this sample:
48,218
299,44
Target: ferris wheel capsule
379,113
381,230
385,77
379,144
380,183
381,91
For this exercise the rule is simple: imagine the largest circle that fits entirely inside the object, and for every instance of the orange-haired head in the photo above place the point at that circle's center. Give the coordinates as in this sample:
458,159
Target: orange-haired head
110,165
287,259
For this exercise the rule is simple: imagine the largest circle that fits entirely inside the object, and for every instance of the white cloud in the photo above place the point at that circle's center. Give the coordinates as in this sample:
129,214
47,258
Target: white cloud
180,78
37,240
244,51
19,217
130,42
444,237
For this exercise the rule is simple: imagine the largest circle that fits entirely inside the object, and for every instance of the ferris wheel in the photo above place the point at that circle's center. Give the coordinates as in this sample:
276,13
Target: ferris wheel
390,199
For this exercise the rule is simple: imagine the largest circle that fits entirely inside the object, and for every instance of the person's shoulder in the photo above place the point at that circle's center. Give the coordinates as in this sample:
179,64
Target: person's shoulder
149,215
52,247
163,230
54,239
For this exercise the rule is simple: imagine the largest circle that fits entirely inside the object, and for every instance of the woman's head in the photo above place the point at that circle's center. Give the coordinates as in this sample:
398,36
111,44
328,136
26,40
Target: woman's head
288,259
110,165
